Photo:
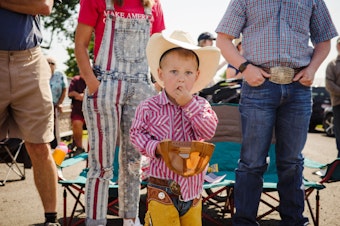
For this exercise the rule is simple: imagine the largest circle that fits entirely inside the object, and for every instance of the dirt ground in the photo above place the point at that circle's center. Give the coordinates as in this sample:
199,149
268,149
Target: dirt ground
21,206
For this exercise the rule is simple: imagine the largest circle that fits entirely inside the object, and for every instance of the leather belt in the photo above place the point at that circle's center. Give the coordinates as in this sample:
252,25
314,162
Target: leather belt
173,185
282,75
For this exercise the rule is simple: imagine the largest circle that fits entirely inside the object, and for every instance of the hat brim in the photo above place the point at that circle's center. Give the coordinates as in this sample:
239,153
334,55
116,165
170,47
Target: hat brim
208,58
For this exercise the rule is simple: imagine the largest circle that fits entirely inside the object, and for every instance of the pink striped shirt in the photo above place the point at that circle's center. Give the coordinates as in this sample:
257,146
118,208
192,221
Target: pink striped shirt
157,119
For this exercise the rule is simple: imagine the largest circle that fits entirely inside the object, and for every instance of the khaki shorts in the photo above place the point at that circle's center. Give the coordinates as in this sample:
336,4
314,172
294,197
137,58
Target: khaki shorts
26,109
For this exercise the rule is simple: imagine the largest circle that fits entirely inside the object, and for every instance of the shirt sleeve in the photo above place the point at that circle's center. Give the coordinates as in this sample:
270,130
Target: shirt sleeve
89,12
158,23
233,19
139,135
65,82
203,118
321,25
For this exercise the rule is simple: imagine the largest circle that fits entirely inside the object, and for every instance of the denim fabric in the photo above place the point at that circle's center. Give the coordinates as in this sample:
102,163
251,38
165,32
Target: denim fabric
108,113
285,109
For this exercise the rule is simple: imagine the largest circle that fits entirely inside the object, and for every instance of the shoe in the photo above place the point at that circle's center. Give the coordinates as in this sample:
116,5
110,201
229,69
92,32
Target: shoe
51,224
129,222
78,150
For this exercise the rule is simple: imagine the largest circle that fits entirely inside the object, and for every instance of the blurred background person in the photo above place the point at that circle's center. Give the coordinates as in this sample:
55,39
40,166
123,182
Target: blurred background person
58,84
333,87
207,39
233,72
76,94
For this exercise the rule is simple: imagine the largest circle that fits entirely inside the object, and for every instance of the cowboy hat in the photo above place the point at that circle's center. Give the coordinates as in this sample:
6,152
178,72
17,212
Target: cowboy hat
208,56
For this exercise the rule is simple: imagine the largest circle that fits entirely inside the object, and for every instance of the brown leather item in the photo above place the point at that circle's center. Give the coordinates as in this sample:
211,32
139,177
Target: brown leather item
175,188
158,195
186,158
161,196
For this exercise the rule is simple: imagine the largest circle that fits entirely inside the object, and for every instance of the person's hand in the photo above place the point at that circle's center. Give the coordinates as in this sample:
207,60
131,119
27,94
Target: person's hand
254,76
79,96
92,84
182,96
305,76
157,151
59,108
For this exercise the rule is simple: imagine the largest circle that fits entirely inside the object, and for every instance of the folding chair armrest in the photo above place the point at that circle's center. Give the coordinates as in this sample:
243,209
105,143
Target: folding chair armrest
71,161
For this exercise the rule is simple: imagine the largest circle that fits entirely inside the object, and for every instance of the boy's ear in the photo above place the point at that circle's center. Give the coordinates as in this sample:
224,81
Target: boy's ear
197,74
160,74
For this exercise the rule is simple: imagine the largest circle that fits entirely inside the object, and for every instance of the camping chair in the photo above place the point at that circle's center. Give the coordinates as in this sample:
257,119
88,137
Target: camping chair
10,148
76,187
328,173
227,142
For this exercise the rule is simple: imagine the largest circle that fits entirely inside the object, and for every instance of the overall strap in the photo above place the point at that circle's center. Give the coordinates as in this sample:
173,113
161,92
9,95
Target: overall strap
109,5
148,11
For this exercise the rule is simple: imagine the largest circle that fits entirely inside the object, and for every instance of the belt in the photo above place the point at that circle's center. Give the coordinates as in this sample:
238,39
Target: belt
282,75
173,185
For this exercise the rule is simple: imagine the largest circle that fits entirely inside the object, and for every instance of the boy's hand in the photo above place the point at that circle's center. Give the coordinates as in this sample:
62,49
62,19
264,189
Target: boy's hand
157,152
182,96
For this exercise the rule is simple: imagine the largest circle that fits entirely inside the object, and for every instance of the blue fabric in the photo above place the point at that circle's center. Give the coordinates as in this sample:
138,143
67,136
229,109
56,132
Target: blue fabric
19,31
287,108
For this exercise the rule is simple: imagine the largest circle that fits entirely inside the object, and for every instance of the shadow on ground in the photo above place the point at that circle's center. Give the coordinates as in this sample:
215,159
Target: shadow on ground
214,212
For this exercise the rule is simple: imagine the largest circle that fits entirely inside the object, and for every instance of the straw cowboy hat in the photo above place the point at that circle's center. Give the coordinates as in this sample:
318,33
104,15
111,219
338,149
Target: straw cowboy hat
208,56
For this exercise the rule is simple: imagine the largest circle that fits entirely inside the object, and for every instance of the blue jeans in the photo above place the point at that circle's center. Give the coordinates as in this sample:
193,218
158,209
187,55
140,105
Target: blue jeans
285,109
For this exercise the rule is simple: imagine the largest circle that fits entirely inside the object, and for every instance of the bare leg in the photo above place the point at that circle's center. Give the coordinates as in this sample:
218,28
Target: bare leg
77,127
45,174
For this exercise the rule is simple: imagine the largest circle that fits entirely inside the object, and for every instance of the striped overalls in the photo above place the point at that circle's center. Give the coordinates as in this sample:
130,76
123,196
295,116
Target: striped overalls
122,69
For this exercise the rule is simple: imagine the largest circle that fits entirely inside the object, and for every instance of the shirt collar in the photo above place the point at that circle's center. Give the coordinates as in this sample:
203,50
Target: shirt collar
163,99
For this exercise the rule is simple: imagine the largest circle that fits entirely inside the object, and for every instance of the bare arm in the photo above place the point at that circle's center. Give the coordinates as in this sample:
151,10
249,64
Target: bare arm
76,95
30,7
82,40
306,76
61,99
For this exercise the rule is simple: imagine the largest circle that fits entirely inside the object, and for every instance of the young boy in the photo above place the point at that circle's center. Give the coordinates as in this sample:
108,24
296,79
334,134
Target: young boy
181,68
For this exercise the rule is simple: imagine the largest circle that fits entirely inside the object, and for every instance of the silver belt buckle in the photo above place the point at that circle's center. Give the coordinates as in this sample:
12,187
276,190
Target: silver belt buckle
174,187
281,75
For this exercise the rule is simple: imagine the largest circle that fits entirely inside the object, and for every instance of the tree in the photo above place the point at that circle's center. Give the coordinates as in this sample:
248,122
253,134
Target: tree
61,24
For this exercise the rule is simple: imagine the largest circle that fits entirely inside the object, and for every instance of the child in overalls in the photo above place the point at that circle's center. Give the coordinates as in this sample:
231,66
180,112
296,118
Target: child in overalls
182,69
116,84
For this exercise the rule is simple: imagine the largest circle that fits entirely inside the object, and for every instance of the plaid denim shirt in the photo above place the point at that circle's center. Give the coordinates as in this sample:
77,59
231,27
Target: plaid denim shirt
278,32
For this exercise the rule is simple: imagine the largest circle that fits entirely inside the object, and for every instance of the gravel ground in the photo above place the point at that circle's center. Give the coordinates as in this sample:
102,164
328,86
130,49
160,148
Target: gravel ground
20,204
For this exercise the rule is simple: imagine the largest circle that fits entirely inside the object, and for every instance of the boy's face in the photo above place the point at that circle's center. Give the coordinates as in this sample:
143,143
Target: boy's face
179,73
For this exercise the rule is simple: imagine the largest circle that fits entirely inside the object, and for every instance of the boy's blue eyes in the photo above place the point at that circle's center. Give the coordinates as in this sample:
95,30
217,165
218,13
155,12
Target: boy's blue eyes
176,72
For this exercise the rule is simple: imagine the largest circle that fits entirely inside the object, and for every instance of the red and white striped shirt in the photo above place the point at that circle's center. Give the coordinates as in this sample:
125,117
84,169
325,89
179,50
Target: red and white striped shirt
157,119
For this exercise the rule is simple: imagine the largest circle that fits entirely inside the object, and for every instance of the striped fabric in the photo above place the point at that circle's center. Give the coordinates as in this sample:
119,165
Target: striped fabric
158,119
277,32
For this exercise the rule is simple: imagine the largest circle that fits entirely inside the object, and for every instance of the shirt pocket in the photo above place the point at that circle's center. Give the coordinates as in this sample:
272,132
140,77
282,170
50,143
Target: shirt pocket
130,43
160,127
298,14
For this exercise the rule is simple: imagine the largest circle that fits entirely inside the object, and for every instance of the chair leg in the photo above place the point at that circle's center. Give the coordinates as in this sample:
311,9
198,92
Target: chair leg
317,197
13,165
65,207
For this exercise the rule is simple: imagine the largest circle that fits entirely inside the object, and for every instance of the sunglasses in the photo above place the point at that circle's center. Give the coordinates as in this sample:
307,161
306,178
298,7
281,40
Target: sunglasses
51,63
